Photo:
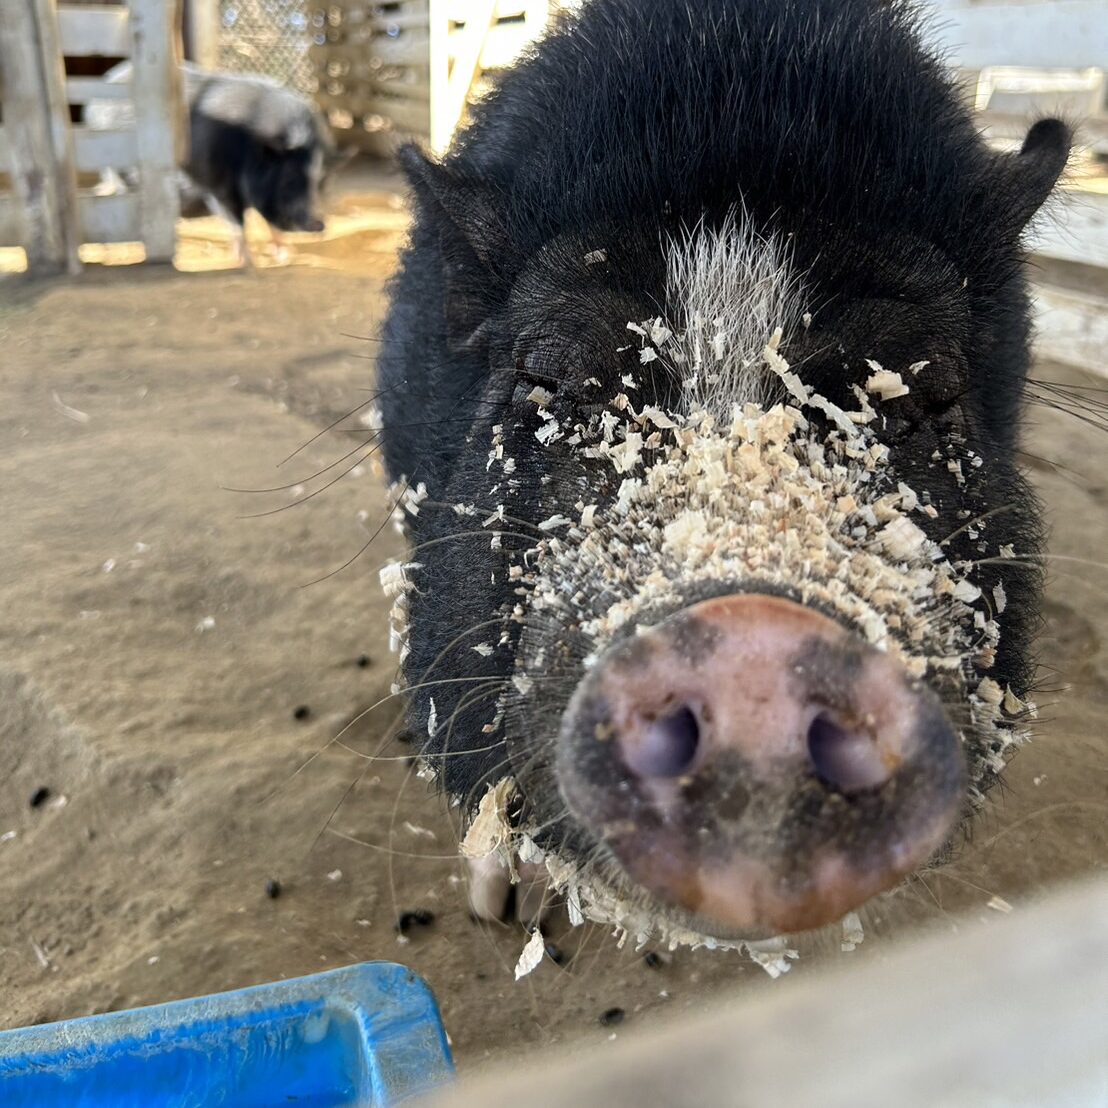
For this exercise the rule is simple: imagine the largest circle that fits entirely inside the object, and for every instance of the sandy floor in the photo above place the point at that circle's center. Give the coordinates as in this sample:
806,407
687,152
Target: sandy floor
156,647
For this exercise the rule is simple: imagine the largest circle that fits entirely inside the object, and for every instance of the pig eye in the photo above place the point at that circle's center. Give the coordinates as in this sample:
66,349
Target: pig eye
536,368
538,365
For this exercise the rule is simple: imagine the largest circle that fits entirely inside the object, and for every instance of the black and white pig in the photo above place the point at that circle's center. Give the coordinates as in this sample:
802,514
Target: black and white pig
252,144
255,144
701,390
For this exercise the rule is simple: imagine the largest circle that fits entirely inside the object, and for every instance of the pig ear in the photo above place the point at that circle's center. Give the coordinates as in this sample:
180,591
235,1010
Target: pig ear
1030,175
468,206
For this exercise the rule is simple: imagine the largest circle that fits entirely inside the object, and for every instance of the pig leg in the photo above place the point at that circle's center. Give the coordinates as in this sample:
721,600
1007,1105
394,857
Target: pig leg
533,897
490,886
231,209
280,247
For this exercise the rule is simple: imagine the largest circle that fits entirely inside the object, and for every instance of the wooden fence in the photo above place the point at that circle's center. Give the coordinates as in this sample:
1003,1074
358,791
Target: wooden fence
52,58
409,67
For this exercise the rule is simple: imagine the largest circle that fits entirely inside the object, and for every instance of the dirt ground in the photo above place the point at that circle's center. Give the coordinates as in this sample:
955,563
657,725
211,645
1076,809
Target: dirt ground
172,670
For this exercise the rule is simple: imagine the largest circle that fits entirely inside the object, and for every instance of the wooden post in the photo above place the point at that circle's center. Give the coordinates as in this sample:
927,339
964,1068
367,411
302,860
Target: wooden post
538,15
202,20
40,141
448,103
159,124
439,31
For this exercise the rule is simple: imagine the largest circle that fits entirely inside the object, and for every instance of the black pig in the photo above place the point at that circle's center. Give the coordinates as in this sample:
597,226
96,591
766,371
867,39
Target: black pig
254,144
701,387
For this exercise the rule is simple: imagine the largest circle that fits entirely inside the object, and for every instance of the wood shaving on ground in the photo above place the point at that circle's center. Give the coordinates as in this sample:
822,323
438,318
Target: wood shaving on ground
531,956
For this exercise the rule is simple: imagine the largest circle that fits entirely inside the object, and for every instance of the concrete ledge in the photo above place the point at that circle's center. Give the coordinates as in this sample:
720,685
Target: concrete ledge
1013,1012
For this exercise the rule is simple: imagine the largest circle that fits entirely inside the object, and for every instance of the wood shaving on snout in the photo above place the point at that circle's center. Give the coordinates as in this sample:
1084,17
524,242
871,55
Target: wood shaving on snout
853,935
760,491
885,383
490,832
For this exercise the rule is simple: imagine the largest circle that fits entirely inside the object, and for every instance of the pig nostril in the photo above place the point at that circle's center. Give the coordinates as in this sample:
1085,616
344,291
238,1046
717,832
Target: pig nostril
668,746
845,758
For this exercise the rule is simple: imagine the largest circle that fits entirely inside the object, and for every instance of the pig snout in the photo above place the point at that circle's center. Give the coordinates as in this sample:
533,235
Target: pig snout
314,225
752,763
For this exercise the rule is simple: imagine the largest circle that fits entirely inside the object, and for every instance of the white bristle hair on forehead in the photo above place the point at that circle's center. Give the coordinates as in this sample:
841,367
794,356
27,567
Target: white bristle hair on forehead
727,289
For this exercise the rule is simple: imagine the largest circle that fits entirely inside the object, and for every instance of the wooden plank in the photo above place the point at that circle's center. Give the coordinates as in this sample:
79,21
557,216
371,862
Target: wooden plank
440,125
1006,1011
203,30
1073,229
1061,34
1071,327
467,57
111,218
94,30
158,99
80,90
104,149
11,221
38,151
505,42
61,133
407,118
100,218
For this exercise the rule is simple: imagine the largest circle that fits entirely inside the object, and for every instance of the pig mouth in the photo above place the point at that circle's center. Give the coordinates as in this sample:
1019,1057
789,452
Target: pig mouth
754,767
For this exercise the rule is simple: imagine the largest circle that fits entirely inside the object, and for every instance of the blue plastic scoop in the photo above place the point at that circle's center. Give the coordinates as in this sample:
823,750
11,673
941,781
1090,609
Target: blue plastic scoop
369,1035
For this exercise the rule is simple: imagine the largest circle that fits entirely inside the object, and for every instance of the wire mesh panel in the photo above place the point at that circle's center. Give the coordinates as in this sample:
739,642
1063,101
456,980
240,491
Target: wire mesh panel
270,37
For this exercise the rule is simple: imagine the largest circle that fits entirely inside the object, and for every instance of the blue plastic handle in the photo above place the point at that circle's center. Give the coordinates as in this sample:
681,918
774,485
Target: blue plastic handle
368,1035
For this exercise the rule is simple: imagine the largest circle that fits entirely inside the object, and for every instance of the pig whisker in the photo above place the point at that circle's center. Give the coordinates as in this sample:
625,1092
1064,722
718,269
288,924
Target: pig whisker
1073,475
334,811
331,426
507,518
304,481
393,851
371,434
1032,558
337,739
947,872
391,832
474,696
409,689
423,683
1072,400
918,878
1096,805
454,536
323,488
406,485
1003,508
378,758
